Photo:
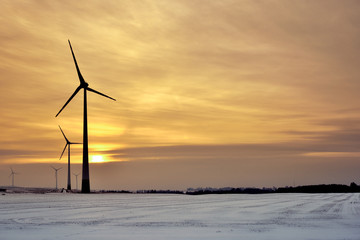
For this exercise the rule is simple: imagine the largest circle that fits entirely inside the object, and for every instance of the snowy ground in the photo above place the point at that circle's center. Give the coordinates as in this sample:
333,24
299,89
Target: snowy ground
141,216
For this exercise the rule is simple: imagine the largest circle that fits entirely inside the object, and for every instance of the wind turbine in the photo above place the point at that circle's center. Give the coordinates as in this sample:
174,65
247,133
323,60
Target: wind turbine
12,175
85,185
76,175
68,143
56,170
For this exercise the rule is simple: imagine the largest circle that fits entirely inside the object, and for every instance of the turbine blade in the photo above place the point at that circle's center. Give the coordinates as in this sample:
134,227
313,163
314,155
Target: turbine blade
77,67
92,90
52,167
63,134
76,91
63,151
74,143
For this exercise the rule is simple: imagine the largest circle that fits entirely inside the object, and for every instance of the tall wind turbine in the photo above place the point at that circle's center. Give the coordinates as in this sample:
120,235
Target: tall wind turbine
76,175
68,143
12,175
56,170
85,186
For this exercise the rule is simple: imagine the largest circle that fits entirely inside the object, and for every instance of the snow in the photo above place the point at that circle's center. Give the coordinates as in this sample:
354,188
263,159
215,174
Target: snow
153,216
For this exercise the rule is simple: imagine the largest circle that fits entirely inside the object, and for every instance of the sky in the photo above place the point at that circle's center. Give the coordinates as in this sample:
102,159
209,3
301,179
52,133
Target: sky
208,93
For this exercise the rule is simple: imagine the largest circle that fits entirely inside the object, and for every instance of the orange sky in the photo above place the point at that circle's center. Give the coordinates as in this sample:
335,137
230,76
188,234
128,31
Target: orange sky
215,93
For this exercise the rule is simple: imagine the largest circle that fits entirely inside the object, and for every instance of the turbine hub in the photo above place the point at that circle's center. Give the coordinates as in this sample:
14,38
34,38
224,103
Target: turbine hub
84,84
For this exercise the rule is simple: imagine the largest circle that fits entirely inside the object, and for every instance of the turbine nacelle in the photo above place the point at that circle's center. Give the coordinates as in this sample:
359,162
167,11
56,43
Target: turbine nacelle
84,85
56,169
68,143
12,172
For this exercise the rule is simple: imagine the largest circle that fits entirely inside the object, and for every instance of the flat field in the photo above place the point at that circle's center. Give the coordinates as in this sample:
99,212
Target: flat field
161,216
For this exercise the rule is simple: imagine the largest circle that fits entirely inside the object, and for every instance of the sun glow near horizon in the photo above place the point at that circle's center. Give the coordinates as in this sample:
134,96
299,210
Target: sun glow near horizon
97,159
103,159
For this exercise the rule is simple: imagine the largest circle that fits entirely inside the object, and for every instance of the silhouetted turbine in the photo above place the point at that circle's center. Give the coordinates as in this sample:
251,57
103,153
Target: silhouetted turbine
76,175
85,186
12,175
56,170
68,143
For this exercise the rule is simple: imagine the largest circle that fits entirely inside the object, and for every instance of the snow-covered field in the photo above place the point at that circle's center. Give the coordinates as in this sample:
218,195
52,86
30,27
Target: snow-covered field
141,216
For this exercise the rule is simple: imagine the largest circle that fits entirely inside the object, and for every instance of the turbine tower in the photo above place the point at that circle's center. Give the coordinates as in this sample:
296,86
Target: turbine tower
68,143
76,175
56,170
85,185
12,175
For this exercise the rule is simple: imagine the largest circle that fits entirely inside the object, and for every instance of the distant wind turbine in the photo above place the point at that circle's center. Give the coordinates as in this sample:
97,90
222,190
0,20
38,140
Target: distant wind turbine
76,175
85,186
12,175
56,170
68,143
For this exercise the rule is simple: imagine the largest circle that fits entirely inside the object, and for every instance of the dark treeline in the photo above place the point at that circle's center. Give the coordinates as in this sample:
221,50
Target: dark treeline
160,191
322,188
114,191
230,191
331,188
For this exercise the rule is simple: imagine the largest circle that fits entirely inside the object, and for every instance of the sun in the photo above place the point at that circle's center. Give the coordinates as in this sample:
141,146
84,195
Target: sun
97,159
